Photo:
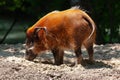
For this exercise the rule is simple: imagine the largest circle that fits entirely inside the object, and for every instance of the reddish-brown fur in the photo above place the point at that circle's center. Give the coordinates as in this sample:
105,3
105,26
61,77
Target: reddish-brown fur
61,30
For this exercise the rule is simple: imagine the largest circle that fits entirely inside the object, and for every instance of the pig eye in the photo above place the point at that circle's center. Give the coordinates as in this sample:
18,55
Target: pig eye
27,52
29,43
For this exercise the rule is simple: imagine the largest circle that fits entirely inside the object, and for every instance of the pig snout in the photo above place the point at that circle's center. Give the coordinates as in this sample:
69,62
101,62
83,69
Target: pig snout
30,55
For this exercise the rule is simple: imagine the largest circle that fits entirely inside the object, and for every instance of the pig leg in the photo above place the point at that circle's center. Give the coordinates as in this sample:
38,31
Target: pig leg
89,47
58,56
90,52
78,55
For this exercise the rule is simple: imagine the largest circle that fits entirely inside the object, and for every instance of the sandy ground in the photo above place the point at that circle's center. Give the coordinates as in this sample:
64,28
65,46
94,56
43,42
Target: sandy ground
13,66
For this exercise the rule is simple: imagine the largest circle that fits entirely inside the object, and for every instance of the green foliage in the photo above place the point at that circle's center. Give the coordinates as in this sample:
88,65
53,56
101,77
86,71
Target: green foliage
106,13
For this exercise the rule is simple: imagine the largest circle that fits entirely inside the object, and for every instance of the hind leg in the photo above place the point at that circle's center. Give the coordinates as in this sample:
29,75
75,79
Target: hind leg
90,52
89,48
79,55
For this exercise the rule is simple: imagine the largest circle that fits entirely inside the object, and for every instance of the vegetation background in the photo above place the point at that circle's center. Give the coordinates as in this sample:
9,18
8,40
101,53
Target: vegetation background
17,15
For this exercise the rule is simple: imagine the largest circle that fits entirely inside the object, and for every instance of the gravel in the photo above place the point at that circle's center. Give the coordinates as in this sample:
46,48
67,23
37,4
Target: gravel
13,66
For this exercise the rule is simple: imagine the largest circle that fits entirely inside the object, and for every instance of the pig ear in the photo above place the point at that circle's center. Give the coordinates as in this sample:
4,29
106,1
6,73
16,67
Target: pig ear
37,30
35,33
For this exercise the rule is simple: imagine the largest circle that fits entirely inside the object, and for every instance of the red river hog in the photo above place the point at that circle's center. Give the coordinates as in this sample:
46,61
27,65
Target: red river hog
61,30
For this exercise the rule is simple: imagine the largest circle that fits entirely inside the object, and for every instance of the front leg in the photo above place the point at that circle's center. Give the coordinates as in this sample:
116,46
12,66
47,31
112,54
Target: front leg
58,56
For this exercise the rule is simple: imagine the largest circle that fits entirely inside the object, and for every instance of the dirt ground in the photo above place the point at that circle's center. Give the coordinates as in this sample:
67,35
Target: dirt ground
13,66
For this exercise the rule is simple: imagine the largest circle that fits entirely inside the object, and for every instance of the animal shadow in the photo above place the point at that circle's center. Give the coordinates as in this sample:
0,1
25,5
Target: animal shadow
96,64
